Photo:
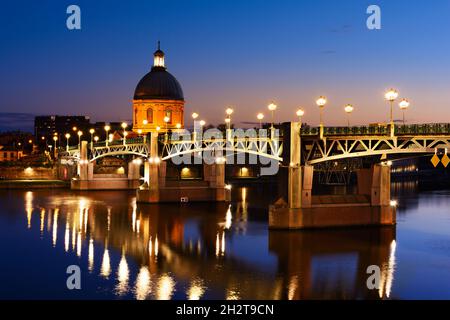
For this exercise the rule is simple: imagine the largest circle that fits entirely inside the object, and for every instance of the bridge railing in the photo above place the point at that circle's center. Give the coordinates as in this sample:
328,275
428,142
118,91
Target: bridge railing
382,129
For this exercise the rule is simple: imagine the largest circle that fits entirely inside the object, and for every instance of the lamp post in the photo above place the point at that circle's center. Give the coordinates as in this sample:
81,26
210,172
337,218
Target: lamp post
91,131
80,133
107,128
260,117
124,127
96,138
178,125
300,113
321,102
166,121
67,141
348,109
390,96
55,138
194,117
272,107
229,112
404,104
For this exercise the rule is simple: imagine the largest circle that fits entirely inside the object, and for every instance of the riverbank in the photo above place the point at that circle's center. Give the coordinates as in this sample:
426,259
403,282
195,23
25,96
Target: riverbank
33,184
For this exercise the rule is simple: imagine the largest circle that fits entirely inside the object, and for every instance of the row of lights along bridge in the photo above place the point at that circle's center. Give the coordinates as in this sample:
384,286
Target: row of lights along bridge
390,96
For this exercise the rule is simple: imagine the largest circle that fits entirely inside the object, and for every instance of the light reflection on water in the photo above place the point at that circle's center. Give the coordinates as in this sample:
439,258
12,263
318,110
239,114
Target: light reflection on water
214,251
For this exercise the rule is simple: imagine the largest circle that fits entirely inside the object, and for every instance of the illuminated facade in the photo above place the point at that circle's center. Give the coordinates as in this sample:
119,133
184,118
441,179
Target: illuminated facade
158,102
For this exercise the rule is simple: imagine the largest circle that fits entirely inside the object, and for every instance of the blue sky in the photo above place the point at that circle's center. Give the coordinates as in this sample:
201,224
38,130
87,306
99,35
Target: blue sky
241,53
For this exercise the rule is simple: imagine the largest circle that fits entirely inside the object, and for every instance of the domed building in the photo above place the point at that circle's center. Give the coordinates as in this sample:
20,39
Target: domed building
158,102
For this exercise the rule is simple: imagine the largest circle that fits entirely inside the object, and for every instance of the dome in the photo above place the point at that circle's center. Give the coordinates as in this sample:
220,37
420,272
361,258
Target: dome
158,84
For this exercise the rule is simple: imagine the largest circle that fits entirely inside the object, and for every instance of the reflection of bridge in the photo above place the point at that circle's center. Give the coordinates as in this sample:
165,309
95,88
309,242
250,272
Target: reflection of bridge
298,149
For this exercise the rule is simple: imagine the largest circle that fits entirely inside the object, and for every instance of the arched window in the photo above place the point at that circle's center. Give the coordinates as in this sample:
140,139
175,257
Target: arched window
135,115
150,115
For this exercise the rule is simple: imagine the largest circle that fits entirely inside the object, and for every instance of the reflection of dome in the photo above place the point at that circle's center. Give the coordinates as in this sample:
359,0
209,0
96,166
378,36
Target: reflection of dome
158,83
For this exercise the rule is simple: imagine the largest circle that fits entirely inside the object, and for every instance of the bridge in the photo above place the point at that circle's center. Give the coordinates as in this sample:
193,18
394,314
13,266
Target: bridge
337,143
293,146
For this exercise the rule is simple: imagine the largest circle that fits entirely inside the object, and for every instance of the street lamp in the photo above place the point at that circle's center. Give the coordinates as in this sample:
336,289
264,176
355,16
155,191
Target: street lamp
55,138
178,125
107,128
194,133
404,104
272,107
67,139
300,113
390,96
96,138
91,131
166,121
124,127
348,109
80,133
229,112
260,116
74,129
321,102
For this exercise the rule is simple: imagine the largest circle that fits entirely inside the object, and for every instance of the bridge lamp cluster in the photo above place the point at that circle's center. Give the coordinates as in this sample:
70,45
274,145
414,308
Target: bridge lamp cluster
272,107
387,163
404,104
79,133
229,112
67,135
228,187
178,125
221,160
321,102
393,203
154,160
300,113
348,109
390,96
83,161
137,161
107,128
260,117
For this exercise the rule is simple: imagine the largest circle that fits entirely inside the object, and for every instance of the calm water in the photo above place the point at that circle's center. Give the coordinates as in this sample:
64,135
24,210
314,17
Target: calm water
212,251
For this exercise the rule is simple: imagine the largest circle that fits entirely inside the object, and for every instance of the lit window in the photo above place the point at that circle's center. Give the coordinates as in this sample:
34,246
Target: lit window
150,115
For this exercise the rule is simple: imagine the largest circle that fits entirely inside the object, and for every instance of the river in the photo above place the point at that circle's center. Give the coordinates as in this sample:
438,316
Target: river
215,251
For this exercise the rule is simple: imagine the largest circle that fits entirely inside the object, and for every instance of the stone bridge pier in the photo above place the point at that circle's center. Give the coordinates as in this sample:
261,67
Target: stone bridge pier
156,188
87,180
370,206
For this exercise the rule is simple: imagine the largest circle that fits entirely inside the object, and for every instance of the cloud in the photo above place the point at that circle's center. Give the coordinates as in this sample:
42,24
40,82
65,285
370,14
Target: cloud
12,121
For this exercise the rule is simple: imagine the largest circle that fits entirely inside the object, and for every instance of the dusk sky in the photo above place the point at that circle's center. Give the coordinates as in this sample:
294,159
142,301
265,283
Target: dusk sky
241,53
